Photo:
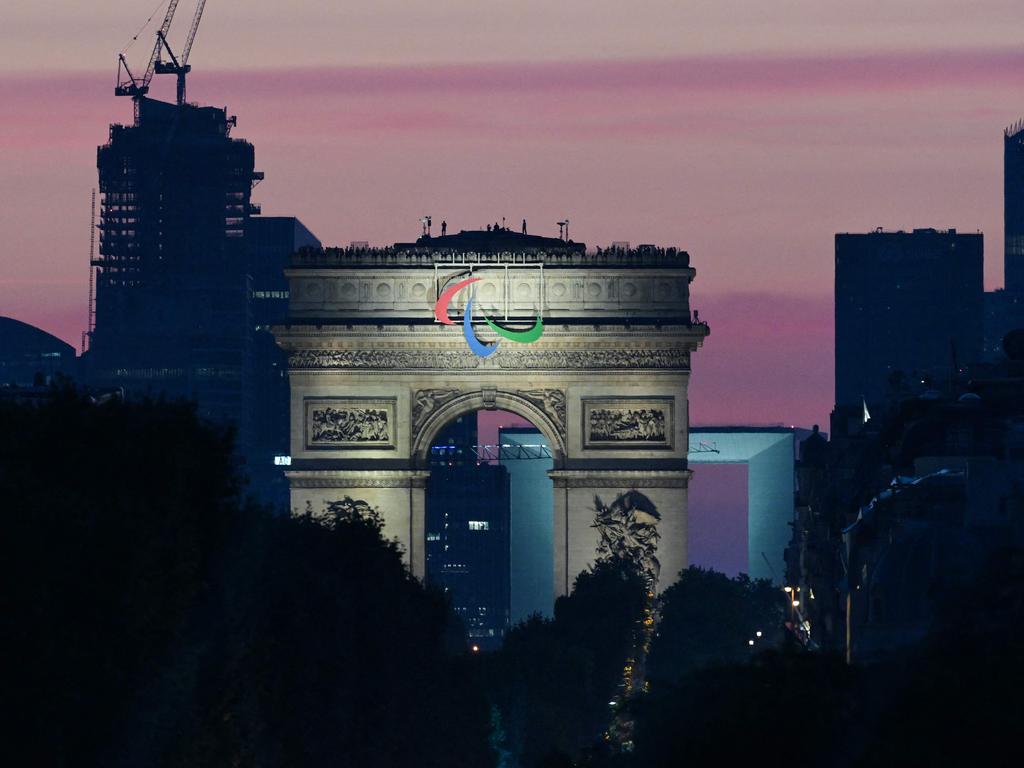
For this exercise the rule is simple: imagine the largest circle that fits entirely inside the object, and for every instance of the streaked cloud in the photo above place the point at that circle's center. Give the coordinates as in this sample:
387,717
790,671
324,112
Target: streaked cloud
716,74
751,163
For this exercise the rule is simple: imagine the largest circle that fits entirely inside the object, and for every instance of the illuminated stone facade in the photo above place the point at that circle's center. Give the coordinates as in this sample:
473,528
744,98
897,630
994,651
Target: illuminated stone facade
374,378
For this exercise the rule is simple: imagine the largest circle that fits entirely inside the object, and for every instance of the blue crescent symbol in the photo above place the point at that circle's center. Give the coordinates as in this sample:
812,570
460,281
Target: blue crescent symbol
480,349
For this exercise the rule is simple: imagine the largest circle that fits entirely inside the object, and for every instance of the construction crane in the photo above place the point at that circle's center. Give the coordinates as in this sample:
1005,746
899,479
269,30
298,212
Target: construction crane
137,87
182,68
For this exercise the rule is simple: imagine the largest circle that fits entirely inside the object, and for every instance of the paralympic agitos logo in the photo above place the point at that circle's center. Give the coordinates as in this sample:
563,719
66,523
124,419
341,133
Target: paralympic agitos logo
481,349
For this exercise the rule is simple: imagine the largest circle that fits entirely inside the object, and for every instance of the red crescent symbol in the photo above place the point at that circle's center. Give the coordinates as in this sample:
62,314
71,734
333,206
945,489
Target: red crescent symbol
441,307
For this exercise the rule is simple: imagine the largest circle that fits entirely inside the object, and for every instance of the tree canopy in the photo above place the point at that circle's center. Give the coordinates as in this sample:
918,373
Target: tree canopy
152,617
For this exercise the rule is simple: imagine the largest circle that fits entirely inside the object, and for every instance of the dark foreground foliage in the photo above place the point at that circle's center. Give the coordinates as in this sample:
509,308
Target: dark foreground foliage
151,618
553,678
709,619
955,700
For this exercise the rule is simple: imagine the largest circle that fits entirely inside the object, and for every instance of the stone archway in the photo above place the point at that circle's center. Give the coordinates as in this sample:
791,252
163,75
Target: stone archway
545,409
374,376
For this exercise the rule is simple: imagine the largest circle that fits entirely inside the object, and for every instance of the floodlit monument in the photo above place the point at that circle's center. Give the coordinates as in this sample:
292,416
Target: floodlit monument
388,345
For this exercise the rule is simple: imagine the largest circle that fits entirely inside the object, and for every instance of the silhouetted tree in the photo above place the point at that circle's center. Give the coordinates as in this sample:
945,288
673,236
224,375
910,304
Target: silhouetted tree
111,518
150,618
553,678
953,700
333,650
709,618
783,707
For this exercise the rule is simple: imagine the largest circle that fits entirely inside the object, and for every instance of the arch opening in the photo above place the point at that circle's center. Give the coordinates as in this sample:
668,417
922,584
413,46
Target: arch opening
472,402
489,525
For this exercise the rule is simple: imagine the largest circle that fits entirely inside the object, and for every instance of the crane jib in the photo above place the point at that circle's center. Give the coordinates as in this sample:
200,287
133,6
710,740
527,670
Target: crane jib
136,87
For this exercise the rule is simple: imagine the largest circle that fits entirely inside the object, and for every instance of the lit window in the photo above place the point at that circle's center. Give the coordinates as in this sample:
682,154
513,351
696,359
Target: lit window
479,525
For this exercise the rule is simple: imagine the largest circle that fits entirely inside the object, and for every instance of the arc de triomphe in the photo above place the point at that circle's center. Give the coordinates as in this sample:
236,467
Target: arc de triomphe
375,376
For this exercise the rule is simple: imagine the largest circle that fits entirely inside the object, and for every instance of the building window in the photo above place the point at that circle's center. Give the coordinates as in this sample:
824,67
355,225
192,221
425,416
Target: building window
479,525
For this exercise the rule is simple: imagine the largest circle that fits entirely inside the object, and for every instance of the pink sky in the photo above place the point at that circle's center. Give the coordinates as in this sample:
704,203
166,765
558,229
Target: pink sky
749,150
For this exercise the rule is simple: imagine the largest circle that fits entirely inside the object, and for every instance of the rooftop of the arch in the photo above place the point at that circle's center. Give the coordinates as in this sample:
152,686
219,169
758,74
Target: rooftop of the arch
493,247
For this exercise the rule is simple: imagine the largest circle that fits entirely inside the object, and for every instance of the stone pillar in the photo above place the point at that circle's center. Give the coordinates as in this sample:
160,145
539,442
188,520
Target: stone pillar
417,557
561,533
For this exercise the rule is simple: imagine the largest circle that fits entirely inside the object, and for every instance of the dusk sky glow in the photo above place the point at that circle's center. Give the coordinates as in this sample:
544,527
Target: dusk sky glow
746,133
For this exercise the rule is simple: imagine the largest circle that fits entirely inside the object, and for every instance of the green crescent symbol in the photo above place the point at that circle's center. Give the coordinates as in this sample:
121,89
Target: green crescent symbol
523,337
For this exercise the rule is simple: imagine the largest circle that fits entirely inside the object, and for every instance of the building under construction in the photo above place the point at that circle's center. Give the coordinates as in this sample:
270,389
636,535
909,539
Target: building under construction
171,278
187,277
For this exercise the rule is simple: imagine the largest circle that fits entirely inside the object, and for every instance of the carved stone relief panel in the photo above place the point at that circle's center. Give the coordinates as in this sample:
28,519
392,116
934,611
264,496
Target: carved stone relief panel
642,422
603,359
505,358
382,359
333,423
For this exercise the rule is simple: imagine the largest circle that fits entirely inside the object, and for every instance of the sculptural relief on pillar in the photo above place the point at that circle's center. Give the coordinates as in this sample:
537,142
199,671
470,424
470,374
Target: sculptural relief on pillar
628,529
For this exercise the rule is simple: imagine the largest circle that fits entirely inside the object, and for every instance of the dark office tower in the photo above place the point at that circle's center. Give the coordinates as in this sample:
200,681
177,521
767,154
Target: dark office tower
908,309
468,546
1004,309
1013,208
270,242
455,442
468,533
